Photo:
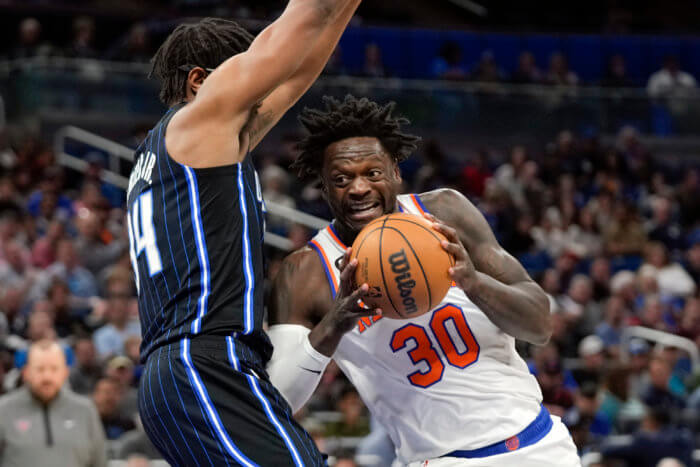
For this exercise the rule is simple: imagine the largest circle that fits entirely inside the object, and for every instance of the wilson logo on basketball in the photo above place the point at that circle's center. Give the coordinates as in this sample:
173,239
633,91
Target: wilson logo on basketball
402,268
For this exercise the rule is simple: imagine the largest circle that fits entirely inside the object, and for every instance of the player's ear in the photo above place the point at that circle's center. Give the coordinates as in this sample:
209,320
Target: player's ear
397,173
195,78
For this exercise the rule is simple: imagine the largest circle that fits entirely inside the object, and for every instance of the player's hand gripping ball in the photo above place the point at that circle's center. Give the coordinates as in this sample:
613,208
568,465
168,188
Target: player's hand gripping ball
401,258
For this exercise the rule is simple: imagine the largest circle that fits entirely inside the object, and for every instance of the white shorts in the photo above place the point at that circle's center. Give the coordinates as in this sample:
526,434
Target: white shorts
557,449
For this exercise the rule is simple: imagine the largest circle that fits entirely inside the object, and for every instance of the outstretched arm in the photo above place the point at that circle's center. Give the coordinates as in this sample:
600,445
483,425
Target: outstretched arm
287,94
234,93
494,280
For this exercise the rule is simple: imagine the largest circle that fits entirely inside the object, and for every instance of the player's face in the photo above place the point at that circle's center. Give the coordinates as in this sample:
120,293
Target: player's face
360,181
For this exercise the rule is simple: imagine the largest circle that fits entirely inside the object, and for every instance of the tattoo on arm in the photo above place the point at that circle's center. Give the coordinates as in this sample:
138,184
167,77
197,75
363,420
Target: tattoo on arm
259,126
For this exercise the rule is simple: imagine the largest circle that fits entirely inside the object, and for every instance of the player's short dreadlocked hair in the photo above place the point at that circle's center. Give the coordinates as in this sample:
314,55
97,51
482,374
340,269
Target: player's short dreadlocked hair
346,119
207,44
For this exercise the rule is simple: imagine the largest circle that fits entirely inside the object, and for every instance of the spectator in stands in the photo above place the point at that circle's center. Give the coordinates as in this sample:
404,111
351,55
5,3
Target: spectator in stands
136,47
672,279
616,73
16,271
662,227
527,71
110,338
555,396
45,248
610,330
86,370
625,235
67,267
559,72
44,424
581,312
353,420
690,321
584,421
29,42
599,272
82,45
671,81
591,352
656,393
107,399
688,196
96,247
656,440
448,64
121,370
373,66
692,263
487,69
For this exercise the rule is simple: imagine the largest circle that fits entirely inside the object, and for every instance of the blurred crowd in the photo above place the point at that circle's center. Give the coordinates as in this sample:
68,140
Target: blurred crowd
139,42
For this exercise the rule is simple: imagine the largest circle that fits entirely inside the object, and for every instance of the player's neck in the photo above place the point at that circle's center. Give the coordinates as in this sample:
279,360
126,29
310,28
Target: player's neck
345,234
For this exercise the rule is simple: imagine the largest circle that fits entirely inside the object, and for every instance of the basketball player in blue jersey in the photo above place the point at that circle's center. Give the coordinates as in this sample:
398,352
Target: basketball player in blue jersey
448,386
196,225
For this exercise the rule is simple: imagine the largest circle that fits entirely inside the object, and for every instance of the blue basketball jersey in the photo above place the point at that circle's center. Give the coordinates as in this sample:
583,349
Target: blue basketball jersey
196,239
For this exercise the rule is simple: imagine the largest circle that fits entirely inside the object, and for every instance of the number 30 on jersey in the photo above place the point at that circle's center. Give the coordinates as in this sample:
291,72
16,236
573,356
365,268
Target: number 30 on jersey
460,349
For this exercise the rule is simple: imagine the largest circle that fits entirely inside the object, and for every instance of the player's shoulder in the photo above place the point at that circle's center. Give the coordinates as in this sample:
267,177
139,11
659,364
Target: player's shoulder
302,266
443,201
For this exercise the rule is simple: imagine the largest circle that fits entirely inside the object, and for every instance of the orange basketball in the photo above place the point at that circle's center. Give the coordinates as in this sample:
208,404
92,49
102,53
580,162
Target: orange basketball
400,257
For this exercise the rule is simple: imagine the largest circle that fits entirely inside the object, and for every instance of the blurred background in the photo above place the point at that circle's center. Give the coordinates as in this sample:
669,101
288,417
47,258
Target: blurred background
573,126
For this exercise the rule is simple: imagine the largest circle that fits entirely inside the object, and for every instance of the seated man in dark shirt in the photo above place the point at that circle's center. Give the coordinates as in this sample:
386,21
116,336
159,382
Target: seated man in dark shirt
656,440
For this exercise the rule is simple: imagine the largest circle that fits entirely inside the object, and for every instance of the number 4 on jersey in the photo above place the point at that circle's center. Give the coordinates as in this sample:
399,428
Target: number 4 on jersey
142,236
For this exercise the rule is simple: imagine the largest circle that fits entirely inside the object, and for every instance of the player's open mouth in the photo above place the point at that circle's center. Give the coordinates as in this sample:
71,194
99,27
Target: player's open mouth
365,211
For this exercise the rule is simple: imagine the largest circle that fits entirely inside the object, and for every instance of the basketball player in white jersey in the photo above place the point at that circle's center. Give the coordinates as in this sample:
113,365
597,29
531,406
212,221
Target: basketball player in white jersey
448,386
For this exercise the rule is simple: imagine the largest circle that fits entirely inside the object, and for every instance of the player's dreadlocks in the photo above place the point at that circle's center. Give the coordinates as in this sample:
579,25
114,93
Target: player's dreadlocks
350,118
207,44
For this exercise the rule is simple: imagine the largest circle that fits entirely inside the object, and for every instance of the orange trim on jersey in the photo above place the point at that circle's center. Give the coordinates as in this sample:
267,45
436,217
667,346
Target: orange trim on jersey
417,204
327,265
335,238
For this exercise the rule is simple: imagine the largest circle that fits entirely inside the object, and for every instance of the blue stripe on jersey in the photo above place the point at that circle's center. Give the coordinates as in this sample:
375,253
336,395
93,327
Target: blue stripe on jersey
247,260
201,248
204,400
255,386
326,269
417,198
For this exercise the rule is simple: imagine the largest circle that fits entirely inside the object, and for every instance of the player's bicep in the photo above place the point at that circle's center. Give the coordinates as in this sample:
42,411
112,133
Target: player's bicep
248,78
488,256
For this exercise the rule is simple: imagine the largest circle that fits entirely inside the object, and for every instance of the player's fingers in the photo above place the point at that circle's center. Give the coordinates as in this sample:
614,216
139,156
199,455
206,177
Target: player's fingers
358,293
455,249
430,217
346,277
361,312
447,231
346,259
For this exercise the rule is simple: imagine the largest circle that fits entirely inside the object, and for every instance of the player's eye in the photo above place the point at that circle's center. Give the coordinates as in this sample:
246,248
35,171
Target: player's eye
340,180
375,173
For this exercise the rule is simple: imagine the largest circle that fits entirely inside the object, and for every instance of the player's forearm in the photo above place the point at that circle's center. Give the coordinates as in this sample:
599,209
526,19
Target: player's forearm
325,44
520,309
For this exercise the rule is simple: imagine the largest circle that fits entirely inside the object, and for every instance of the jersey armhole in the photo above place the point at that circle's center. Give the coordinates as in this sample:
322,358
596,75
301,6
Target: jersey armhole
327,266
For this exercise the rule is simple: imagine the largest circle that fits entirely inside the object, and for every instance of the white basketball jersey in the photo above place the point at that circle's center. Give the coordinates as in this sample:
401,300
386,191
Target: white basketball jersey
444,381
